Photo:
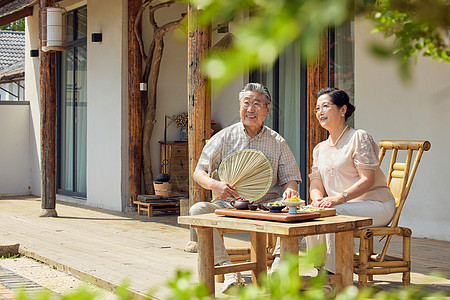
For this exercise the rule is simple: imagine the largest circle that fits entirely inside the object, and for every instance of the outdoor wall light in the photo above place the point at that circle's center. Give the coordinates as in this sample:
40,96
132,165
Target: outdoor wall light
143,86
54,24
97,37
34,53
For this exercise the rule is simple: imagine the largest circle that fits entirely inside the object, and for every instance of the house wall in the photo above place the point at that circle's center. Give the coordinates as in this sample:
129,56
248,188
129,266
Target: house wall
389,108
14,146
32,95
106,91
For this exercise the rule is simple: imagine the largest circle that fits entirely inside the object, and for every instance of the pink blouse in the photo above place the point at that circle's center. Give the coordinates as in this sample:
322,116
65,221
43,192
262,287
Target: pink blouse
338,166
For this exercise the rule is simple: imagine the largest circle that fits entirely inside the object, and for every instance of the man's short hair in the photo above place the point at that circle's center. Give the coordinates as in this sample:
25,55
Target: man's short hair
257,87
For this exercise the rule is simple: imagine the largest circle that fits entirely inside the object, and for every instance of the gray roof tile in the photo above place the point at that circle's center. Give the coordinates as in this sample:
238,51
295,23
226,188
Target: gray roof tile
12,47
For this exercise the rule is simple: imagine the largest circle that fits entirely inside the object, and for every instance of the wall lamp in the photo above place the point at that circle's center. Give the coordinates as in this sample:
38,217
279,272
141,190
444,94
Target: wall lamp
34,53
97,37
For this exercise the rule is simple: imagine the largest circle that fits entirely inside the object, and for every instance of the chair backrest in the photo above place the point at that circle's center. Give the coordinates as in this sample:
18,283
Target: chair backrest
401,175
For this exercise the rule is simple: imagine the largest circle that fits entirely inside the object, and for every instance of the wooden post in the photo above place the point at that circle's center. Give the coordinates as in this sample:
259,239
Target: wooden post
134,106
47,81
317,78
199,101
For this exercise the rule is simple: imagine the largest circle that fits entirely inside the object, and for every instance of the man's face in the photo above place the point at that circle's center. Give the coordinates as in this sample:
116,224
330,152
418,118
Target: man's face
253,109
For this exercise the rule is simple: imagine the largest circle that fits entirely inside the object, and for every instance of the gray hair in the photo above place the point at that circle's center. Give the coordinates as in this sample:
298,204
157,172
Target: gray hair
257,87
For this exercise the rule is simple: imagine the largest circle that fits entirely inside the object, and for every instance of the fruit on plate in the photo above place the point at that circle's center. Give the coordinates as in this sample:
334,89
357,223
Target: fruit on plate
293,199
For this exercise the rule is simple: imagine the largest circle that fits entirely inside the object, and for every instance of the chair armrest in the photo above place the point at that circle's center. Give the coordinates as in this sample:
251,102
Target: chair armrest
381,231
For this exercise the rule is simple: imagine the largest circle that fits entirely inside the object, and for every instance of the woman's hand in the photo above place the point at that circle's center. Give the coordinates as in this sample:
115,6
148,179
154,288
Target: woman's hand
223,189
330,201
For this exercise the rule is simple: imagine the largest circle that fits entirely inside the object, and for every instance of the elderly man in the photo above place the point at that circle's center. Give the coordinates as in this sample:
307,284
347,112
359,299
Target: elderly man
250,133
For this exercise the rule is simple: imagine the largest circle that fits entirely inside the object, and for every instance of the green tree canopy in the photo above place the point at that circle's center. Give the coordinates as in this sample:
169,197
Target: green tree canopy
18,25
263,28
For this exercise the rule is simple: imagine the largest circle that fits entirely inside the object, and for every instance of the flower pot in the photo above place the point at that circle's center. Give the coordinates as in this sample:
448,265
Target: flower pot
162,188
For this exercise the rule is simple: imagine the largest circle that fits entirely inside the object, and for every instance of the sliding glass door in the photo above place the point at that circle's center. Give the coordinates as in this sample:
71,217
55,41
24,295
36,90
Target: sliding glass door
72,108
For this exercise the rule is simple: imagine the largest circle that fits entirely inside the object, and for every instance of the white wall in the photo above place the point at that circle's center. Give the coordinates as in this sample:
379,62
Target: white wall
106,90
419,109
32,95
14,149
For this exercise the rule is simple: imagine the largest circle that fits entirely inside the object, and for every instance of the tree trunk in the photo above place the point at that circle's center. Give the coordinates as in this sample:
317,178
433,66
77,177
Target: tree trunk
151,70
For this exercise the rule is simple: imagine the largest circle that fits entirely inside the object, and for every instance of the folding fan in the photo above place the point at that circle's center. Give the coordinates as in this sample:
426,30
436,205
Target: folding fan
249,171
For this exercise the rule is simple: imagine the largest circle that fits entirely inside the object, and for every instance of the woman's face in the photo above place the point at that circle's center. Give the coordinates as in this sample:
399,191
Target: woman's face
328,114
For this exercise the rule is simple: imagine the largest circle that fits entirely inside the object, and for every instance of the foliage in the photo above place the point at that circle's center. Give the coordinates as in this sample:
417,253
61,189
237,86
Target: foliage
9,255
418,27
263,28
283,284
18,25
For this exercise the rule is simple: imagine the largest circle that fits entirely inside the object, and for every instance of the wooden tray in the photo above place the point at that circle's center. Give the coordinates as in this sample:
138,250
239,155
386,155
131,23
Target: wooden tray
325,212
266,215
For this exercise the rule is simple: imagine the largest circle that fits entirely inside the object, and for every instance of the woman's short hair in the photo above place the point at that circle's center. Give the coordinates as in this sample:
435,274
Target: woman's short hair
257,87
339,98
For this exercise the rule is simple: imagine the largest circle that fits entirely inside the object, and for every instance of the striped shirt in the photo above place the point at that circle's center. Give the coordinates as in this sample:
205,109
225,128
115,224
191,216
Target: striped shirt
268,141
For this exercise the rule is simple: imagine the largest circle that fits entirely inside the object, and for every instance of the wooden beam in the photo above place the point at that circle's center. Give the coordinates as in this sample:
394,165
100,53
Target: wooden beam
47,74
317,78
20,14
134,106
199,101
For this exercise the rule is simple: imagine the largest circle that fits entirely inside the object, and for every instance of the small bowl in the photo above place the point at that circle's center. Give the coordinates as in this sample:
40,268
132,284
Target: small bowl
252,206
275,209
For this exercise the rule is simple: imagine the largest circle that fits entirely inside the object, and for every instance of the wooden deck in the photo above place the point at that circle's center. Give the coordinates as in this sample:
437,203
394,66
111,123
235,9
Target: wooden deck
107,247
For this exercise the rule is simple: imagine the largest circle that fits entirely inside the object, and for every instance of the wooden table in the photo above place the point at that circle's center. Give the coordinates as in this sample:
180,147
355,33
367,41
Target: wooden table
342,226
157,205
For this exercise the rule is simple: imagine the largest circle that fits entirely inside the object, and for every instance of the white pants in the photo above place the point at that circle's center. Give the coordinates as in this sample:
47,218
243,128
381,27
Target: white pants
199,208
380,212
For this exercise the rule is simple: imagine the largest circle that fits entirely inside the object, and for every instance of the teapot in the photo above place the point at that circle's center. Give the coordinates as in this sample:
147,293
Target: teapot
240,203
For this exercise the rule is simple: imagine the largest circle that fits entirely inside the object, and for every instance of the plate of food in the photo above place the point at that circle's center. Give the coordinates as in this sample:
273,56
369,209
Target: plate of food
275,207
293,203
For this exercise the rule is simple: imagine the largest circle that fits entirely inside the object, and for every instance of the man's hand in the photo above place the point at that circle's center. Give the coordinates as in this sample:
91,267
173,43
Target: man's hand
289,192
290,189
223,189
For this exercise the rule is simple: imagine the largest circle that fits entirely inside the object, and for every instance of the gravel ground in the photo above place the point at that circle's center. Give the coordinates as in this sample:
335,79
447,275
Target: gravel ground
57,281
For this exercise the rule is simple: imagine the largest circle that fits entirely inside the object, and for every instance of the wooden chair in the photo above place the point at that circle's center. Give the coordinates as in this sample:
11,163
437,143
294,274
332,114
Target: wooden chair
399,179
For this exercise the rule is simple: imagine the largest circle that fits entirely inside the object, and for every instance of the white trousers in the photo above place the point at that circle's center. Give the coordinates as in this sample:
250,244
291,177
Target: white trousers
380,212
199,208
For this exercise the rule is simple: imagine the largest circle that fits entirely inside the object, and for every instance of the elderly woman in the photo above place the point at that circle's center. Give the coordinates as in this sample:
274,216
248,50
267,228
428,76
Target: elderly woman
345,173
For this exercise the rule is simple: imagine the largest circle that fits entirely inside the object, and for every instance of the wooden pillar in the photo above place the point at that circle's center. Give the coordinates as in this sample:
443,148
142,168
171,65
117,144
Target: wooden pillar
199,101
134,106
317,78
47,80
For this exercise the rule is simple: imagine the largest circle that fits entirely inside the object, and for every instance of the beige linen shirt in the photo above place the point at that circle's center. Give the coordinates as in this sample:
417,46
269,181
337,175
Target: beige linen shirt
268,141
338,166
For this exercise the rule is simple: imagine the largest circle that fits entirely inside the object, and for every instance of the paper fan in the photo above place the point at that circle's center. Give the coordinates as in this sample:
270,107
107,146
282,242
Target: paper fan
249,171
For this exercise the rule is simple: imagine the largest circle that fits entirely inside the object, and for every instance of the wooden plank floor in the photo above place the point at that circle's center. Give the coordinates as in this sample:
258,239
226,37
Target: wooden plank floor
106,247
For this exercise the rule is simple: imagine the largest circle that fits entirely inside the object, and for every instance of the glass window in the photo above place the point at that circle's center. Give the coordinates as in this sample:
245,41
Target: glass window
72,108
